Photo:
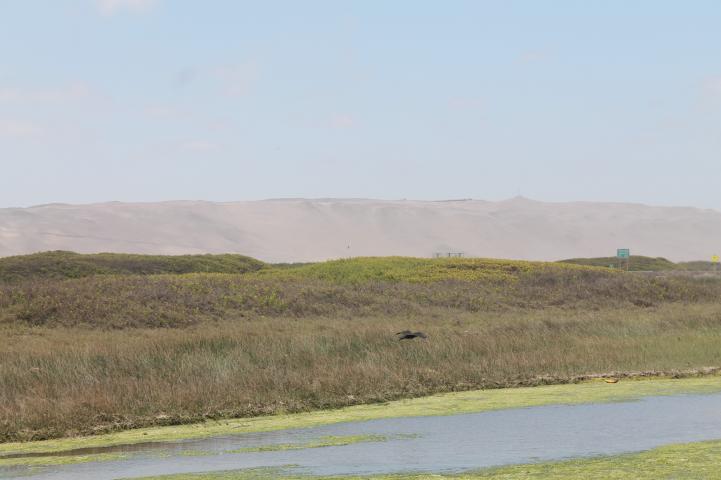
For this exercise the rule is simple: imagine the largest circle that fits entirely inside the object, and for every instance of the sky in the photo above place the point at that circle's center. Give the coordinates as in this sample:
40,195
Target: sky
151,100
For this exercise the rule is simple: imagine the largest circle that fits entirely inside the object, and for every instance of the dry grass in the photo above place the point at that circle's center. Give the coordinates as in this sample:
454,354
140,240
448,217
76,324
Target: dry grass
64,381
108,352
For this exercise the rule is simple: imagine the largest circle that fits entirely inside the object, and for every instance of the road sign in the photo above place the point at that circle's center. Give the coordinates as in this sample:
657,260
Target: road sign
623,253
716,259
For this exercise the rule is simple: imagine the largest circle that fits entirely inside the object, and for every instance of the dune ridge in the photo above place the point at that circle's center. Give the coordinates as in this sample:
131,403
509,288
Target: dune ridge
299,230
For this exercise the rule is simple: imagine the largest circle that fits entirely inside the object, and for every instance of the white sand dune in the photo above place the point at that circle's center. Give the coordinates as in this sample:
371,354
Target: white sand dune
305,230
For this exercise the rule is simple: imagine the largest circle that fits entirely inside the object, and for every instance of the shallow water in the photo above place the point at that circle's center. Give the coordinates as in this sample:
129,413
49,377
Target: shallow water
437,444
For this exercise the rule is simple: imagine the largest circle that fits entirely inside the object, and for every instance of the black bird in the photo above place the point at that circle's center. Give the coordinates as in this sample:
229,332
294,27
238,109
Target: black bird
408,335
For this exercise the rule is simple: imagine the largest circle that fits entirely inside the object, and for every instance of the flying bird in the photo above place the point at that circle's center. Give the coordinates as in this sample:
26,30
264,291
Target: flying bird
408,335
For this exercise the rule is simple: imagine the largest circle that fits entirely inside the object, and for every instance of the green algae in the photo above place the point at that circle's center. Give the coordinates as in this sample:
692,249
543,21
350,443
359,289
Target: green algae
260,473
326,441
442,404
684,461
53,460
194,453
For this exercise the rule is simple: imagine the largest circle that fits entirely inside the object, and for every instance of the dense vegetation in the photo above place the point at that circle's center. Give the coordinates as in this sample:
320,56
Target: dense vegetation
639,263
112,351
61,264
357,287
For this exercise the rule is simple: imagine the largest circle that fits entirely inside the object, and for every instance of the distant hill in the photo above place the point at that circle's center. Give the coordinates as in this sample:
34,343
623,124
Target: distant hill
642,264
61,264
300,230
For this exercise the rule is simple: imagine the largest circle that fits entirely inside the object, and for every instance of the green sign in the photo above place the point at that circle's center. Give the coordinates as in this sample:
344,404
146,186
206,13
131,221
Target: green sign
623,253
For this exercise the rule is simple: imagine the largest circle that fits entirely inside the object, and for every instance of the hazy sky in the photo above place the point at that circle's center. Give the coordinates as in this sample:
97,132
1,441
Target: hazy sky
142,100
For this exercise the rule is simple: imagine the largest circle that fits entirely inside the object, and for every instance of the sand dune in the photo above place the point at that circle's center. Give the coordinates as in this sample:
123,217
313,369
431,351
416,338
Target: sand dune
305,230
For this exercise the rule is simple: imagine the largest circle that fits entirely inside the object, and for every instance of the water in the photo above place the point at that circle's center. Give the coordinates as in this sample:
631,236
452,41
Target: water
431,444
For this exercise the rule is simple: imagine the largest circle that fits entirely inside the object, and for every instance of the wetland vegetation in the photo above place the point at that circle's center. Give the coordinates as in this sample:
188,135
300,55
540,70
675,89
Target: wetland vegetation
106,351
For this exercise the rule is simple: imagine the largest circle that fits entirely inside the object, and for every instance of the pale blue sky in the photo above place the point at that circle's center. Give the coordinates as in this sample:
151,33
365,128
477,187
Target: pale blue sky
140,100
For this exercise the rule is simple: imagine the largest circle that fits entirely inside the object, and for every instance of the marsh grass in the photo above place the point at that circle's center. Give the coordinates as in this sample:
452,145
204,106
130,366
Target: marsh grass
68,381
109,352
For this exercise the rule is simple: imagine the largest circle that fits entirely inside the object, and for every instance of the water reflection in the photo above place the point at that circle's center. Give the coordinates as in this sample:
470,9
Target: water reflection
438,444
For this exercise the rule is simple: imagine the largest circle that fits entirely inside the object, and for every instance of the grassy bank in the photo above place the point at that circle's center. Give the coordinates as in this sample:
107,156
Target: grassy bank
692,461
111,352
595,390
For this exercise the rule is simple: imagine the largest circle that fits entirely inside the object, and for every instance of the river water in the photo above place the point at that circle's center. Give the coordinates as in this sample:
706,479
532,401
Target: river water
437,444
